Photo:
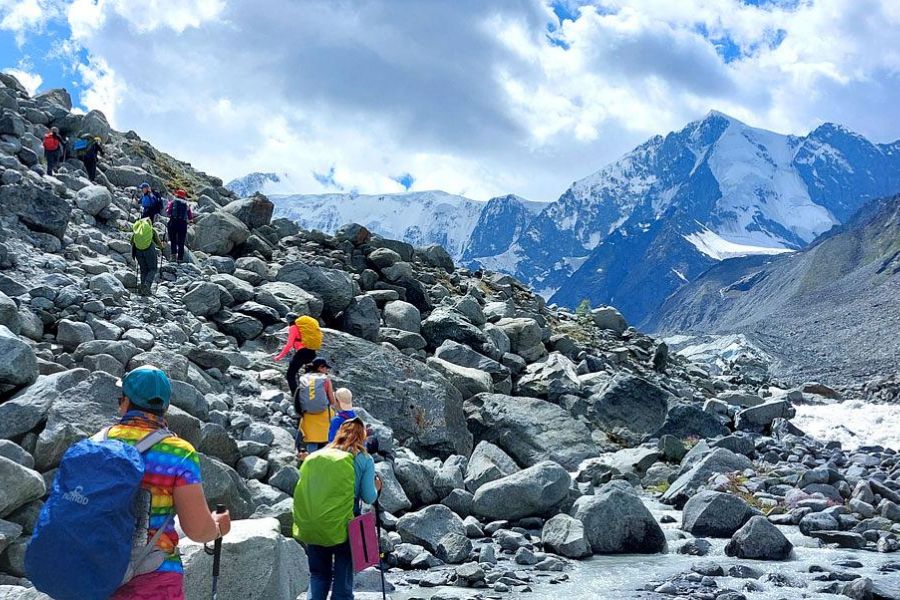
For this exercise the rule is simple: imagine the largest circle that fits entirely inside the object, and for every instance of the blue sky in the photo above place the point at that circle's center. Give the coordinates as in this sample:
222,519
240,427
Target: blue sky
472,97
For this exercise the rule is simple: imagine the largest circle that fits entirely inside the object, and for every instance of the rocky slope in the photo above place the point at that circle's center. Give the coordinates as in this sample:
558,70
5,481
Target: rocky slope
820,313
520,437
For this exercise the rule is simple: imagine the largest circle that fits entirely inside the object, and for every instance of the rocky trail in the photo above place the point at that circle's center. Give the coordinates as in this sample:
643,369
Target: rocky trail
523,439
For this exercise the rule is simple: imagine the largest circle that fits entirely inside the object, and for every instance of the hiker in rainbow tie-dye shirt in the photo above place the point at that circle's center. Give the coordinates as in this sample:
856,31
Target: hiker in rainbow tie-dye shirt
171,484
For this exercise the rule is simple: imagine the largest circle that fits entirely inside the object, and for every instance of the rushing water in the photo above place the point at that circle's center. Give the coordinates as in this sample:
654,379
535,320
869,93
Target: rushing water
854,423
620,577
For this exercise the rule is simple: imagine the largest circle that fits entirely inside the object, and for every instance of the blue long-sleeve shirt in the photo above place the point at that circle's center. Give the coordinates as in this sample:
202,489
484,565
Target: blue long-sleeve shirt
364,470
337,421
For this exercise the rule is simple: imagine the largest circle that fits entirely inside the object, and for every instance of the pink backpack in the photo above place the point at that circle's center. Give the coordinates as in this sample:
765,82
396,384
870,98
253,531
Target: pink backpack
363,534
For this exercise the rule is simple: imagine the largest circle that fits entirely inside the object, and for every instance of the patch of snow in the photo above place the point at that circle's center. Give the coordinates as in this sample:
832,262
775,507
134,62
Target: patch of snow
718,248
680,275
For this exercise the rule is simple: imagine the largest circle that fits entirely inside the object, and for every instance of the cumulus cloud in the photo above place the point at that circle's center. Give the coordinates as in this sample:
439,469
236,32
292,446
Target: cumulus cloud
473,97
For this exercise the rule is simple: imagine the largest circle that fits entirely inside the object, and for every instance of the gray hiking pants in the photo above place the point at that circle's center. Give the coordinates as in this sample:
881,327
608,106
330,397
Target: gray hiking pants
148,262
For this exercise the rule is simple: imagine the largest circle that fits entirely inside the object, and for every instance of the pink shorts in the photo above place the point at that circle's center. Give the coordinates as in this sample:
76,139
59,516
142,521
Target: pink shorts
152,586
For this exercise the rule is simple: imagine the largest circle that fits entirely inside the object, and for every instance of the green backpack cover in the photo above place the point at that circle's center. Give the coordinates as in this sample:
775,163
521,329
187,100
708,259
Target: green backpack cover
142,234
323,498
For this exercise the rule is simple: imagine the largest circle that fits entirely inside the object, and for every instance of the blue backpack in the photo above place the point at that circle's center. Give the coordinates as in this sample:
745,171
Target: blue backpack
91,536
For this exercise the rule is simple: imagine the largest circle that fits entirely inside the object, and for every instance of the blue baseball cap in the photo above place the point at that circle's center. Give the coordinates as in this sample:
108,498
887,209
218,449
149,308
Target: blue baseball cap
147,387
145,185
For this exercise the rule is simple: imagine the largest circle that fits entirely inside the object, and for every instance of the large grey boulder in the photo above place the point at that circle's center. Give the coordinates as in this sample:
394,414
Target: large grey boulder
107,285
436,256
446,324
295,299
259,563
218,233
609,318
469,382
19,485
131,176
550,379
9,314
759,418
759,539
436,528
28,408
203,299
565,536
93,199
402,315
535,491
617,522
417,481
462,355
18,364
361,318
487,463
719,460
222,485
715,514
94,124
423,409
630,406
71,334
253,212
75,415
392,497
335,288
687,420
39,209
525,338
530,430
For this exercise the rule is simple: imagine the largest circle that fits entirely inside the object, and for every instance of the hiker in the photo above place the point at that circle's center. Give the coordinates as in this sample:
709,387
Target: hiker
90,157
332,483
150,202
345,412
180,214
304,338
63,557
315,403
144,243
53,149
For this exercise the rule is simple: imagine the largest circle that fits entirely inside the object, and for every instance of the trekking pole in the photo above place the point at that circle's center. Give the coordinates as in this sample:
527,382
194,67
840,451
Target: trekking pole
377,508
217,555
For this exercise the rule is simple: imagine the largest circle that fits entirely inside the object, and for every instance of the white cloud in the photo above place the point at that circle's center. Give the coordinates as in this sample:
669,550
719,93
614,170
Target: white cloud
31,81
468,96
23,16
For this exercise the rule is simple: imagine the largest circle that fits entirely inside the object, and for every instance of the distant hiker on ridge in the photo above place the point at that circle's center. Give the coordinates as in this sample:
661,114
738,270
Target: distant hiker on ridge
110,499
144,243
53,149
150,202
88,151
304,338
180,214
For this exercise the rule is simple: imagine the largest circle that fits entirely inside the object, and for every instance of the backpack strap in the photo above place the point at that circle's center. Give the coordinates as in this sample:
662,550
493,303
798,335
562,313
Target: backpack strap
151,439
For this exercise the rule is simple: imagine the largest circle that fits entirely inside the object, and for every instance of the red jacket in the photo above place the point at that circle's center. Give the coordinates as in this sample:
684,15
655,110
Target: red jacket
294,342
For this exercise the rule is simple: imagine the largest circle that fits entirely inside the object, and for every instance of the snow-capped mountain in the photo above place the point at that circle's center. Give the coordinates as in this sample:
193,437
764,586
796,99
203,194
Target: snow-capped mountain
638,229
501,222
420,218
255,182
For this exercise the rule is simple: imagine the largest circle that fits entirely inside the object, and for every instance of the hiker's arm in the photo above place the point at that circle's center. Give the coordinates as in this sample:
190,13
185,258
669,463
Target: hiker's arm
197,522
292,337
329,391
368,492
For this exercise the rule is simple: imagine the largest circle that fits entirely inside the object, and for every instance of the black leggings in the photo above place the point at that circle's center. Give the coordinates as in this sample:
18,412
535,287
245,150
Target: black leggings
301,357
177,235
